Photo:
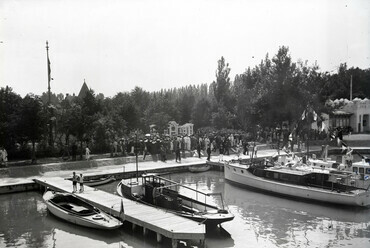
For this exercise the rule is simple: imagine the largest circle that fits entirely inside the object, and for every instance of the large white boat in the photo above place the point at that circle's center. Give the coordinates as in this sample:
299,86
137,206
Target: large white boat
297,182
72,209
164,193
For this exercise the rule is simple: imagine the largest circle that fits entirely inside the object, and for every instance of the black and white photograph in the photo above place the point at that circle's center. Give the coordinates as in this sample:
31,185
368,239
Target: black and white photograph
184,123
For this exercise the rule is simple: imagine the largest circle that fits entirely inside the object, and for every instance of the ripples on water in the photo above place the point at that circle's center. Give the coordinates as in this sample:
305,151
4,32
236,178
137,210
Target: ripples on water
260,221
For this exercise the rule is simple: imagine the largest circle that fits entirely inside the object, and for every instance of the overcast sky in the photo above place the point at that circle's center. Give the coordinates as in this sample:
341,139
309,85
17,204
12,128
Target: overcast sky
117,45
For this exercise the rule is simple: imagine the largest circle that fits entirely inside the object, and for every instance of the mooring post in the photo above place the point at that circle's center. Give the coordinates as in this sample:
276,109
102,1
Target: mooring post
145,231
202,243
133,227
174,243
159,237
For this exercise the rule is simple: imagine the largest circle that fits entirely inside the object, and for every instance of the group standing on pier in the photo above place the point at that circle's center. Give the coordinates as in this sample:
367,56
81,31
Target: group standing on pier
77,179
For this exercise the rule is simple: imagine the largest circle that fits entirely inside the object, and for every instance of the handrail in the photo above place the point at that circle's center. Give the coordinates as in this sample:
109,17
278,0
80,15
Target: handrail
175,184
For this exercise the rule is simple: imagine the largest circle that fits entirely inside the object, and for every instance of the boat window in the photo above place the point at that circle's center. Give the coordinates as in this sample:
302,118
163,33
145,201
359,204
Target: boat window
276,175
362,170
242,171
355,169
234,170
368,171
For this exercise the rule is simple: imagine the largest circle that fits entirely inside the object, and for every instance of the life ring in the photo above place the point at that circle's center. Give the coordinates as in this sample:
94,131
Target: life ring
97,217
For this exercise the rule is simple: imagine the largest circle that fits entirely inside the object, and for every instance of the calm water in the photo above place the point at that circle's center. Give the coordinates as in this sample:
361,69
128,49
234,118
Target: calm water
260,221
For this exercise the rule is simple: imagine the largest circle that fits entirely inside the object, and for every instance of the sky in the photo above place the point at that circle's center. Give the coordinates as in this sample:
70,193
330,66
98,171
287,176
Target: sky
116,45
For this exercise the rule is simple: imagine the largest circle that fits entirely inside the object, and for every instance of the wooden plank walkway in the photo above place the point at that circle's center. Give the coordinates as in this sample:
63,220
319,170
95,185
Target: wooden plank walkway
162,223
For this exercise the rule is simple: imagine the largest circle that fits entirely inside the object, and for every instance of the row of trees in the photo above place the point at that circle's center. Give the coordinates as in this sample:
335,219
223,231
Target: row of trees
275,91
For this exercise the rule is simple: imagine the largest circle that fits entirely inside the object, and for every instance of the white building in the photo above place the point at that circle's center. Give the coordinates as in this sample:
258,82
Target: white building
174,129
353,113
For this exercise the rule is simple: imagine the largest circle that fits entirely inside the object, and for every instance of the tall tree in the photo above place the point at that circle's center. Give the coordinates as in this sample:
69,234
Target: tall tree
10,103
32,121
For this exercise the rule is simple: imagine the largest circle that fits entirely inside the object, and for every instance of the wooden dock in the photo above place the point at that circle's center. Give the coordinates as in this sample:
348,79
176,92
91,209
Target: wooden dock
162,223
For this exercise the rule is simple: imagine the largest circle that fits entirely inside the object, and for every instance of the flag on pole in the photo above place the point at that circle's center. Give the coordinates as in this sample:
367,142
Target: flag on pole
122,210
322,126
349,151
314,115
49,70
303,115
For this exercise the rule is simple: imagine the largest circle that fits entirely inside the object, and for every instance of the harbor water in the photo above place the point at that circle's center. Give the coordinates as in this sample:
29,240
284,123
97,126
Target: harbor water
261,220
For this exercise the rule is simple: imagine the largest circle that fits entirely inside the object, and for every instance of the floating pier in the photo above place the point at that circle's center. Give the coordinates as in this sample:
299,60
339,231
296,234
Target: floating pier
162,223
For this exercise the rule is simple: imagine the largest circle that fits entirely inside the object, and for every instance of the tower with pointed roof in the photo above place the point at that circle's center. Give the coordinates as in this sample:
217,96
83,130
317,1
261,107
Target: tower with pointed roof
83,91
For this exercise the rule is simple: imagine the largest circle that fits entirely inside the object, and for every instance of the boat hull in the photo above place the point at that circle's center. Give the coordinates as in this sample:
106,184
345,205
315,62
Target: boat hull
240,175
99,220
199,168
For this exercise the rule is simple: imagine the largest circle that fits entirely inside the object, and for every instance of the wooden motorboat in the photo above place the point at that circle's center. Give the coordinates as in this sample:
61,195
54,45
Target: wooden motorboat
98,181
164,193
199,168
72,209
296,182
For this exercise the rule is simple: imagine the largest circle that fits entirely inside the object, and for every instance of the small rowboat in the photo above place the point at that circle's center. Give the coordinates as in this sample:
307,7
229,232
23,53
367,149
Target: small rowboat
99,181
199,168
72,209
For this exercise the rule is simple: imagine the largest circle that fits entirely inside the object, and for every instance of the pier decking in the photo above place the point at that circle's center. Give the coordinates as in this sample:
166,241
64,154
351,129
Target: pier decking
149,218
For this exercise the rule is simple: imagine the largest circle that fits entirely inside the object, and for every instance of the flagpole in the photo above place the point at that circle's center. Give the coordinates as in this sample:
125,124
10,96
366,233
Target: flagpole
350,96
48,70
49,98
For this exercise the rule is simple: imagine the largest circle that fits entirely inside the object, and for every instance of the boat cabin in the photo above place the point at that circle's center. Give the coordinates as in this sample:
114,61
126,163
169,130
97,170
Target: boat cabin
362,168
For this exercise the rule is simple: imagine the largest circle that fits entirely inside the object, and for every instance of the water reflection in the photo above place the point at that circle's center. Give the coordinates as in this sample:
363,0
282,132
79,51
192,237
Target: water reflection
21,218
286,222
260,221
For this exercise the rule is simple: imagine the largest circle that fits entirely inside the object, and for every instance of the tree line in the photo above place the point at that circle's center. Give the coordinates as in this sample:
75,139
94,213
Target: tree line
274,92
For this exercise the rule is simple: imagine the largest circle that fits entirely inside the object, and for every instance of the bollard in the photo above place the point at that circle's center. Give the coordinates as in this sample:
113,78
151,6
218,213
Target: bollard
159,237
174,243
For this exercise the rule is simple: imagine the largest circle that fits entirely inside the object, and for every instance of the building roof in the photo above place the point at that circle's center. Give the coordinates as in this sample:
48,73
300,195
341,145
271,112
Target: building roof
341,113
83,91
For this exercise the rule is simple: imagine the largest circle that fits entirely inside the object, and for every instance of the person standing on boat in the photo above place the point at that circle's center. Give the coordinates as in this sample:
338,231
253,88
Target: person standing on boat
81,181
74,182
245,147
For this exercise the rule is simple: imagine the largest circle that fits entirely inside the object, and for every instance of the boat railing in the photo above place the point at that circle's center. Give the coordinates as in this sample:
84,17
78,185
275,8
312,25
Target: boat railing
172,184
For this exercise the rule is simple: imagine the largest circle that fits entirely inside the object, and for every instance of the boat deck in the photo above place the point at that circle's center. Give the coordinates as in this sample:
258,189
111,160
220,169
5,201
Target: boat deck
163,223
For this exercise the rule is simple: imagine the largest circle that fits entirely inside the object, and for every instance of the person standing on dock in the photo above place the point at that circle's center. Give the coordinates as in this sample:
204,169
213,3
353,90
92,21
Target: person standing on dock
74,182
81,181
177,148
87,153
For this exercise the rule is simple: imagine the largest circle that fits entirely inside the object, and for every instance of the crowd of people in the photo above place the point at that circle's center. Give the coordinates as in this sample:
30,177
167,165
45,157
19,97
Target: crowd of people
160,146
